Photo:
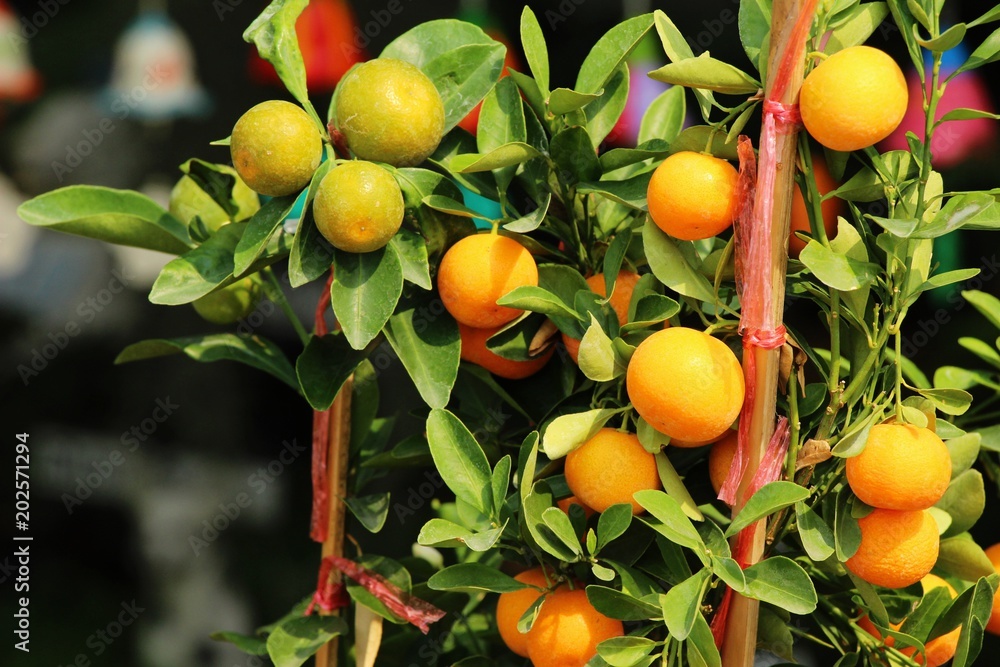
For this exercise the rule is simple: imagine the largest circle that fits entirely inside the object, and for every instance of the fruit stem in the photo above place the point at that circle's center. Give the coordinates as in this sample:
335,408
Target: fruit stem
274,292
899,377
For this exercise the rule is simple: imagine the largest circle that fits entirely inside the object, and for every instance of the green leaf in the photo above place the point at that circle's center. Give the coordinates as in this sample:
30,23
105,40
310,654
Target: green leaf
311,255
612,524
817,537
864,21
533,508
501,122
654,149
677,48
948,401
619,605
273,33
199,271
535,50
597,357
258,232
603,113
539,300
946,41
460,460
972,609
671,268
573,152
473,578
651,310
217,181
964,501
371,510
835,269
681,605
671,522
116,216
707,73
625,651
558,522
769,499
566,100
324,366
507,155
755,26
531,221
664,117
864,186
611,52
960,557
411,249
782,582
463,62
364,293
500,481
296,640
854,441
245,643
443,533
630,192
846,531
255,351
984,54
988,17
987,304
964,451
967,114
701,648
567,432
675,488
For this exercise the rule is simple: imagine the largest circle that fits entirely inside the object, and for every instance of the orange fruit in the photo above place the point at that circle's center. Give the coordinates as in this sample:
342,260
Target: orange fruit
686,384
694,444
692,196
993,626
609,468
938,650
830,208
903,467
276,147
853,99
511,606
358,207
568,629
569,501
720,459
620,299
475,351
477,271
898,547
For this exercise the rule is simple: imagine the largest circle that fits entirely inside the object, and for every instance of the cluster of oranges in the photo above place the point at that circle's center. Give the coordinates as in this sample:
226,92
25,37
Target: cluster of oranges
566,629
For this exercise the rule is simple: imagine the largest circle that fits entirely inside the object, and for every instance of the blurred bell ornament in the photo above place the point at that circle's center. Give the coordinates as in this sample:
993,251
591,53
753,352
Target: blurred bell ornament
330,41
153,77
956,140
18,79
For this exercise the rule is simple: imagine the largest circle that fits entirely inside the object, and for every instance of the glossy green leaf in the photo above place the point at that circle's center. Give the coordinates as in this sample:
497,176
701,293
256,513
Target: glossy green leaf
835,269
948,401
539,300
671,522
630,192
670,266
782,582
754,21
311,255
959,556
507,155
558,522
701,648
816,535
864,21
987,52
324,366
535,50
533,508
364,293
676,47
987,305
473,578
566,100
681,605
116,216
664,117
371,510
707,73
259,229
617,158
769,499
500,481
610,53
411,249
964,501
254,351
295,641
460,460
199,271
501,122
443,533
619,605
573,152
612,524
567,432
628,651
245,643
674,486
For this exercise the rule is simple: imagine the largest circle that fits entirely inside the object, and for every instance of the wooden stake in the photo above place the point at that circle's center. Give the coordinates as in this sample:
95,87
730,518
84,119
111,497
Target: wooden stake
337,468
740,640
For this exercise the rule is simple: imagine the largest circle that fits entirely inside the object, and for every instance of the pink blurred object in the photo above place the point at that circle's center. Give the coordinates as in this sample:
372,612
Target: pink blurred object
641,93
19,81
954,141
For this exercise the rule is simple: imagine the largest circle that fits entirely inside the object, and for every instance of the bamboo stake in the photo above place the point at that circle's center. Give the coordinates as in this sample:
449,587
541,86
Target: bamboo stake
337,468
740,640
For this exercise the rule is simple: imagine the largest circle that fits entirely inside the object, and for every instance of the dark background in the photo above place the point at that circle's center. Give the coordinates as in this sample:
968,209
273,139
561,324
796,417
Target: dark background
130,539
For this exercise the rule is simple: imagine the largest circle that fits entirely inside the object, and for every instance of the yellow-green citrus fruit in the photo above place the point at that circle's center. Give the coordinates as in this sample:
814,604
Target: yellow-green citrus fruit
389,111
229,304
187,200
276,147
853,99
358,206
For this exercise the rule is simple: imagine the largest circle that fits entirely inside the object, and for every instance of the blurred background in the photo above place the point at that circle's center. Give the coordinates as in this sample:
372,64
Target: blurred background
132,465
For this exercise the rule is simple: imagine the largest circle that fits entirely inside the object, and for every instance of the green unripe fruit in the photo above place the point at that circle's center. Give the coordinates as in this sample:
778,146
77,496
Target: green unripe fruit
230,304
389,111
188,200
358,207
276,147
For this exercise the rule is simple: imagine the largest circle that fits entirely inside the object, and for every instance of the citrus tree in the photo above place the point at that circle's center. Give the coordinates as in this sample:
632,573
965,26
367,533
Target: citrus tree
625,482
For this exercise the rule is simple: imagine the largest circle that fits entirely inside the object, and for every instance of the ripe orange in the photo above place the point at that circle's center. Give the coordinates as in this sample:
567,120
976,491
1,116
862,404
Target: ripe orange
692,196
686,384
511,606
569,501
720,459
620,299
898,547
276,148
853,99
568,629
993,626
903,467
938,650
609,468
830,208
358,206
477,271
474,350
